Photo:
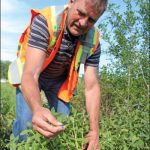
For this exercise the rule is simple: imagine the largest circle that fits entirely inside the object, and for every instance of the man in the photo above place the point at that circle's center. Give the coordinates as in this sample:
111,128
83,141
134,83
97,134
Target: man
53,74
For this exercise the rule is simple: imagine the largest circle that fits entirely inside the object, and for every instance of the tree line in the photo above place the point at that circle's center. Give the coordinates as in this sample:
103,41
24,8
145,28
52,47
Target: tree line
4,69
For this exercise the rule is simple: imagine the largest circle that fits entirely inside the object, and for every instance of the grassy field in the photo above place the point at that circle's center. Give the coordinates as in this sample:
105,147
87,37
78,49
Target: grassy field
126,127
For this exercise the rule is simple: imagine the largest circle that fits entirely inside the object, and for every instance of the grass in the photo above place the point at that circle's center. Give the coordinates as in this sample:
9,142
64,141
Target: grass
126,127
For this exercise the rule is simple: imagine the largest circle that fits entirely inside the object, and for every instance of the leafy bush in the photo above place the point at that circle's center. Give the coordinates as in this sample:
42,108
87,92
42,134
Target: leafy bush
7,112
71,138
4,69
124,128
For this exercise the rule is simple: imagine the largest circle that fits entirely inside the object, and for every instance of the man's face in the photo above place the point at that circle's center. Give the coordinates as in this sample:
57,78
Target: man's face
81,17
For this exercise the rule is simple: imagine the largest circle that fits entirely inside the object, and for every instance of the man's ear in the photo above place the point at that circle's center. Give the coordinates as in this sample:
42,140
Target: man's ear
70,3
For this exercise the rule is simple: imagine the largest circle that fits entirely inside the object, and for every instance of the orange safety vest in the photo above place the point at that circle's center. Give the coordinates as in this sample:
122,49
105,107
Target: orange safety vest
56,22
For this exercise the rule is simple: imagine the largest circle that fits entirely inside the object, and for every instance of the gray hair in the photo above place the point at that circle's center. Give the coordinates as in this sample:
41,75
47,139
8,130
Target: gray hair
99,5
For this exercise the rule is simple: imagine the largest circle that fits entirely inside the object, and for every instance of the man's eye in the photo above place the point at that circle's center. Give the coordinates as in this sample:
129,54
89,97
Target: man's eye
80,13
92,20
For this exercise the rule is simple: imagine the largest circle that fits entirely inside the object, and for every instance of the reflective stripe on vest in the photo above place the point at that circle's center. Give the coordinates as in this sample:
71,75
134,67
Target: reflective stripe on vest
15,72
87,44
66,91
13,76
87,47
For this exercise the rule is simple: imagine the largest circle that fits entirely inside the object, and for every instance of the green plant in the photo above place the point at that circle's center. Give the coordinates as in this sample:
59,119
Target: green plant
71,138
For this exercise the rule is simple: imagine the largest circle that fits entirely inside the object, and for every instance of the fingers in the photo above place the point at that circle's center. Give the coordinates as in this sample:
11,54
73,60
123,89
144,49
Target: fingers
46,124
85,146
93,141
46,134
48,127
92,146
52,120
88,146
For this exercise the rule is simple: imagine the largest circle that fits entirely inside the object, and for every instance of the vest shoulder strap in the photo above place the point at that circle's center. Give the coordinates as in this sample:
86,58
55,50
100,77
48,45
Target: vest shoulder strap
90,43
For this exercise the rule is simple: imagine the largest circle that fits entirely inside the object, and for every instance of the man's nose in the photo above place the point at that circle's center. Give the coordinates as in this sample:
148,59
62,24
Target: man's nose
83,22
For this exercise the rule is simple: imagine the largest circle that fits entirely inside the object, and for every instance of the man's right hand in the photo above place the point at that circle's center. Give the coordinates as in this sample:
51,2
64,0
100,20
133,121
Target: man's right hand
45,123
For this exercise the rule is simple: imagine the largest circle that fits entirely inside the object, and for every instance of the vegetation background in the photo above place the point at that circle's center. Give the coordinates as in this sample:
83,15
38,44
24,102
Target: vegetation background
124,115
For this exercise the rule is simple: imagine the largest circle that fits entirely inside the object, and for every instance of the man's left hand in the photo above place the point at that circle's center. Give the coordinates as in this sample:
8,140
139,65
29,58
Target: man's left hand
92,141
